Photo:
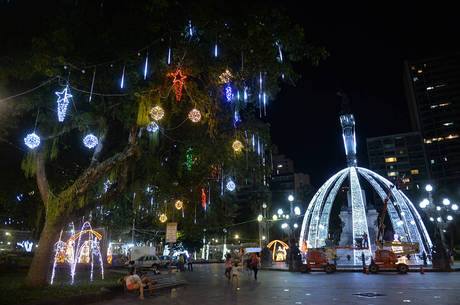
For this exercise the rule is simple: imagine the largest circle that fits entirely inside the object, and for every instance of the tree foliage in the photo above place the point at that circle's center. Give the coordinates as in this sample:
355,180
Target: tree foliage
146,171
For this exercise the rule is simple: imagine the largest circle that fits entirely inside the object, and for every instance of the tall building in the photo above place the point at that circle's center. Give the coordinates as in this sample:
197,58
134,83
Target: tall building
433,92
400,155
285,181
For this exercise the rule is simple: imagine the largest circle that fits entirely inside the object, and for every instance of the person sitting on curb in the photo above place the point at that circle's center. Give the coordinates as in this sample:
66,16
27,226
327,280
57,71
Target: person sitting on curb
134,282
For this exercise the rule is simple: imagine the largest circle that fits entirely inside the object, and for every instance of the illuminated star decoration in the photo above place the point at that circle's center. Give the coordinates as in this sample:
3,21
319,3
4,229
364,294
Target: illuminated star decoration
194,115
62,102
90,141
203,198
32,140
157,113
228,93
178,82
152,127
231,185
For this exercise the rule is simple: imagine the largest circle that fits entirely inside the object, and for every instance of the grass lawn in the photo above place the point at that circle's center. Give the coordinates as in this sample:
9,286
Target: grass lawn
11,292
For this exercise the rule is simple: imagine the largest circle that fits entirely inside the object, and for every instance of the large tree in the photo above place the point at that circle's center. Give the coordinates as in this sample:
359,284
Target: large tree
69,43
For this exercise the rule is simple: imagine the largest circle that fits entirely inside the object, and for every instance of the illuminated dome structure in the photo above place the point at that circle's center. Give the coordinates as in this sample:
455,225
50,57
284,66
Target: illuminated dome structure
405,219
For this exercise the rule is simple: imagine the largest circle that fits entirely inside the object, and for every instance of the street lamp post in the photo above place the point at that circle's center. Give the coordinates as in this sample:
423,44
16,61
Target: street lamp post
435,212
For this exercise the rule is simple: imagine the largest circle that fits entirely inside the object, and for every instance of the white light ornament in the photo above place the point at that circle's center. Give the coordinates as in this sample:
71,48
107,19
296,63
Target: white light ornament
62,103
231,185
152,127
32,140
90,141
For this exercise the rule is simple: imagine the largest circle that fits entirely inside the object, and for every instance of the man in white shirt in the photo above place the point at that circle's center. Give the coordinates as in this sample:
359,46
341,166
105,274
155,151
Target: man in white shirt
134,282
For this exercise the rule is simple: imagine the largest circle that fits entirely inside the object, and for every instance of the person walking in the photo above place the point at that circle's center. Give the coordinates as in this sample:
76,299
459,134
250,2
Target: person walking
190,263
255,264
228,266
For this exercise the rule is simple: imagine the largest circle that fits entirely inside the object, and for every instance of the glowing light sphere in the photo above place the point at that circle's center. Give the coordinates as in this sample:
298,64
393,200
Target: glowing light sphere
284,225
291,198
231,186
259,218
194,115
90,141
438,208
449,217
163,217
280,211
439,219
296,225
237,146
445,201
424,203
297,210
157,113
32,140
264,205
152,127
179,204
228,93
454,207
275,217
225,77
431,219
428,188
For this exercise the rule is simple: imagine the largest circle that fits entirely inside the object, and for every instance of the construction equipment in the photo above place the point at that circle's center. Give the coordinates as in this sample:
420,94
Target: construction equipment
393,258
317,259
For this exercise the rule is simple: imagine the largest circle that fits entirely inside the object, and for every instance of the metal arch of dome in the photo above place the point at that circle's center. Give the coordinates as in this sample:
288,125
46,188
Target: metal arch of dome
400,209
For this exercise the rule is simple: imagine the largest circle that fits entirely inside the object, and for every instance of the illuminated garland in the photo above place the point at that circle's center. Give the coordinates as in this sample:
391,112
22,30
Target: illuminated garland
237,146
32,140
179,204
194,115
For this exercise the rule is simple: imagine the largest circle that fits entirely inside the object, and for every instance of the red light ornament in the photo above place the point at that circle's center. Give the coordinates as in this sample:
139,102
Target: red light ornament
178,82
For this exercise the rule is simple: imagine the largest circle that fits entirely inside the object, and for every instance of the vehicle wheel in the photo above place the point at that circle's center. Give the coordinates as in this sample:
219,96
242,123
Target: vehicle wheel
402,268
373,268
328,268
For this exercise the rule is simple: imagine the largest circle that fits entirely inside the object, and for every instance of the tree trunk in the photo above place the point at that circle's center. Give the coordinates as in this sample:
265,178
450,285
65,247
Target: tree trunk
38,271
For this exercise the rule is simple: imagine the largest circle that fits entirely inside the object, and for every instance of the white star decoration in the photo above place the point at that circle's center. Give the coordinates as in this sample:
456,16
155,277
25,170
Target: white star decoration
62,102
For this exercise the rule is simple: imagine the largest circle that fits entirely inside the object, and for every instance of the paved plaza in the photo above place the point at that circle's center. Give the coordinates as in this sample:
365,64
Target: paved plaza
207,285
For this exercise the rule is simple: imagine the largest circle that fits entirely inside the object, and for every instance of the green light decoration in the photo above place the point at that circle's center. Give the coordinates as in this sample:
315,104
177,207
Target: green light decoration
189,159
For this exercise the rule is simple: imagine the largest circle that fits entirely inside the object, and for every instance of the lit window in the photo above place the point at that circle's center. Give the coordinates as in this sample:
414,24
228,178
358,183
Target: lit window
444,104
432,161
448,124
390,160
406,180
392,174
429,88
415,79
419,71
427,141
452,136
280,165
434,106
414,171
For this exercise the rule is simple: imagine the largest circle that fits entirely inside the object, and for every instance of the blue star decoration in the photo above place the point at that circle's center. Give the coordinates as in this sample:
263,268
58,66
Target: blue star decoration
62,103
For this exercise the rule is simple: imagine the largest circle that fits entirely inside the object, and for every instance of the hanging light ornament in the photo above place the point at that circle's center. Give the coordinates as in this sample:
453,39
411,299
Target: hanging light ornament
237,146
157,113
194,115
90,141
63,102
231,185
163,217
152,127
225,77
203,198
169,56
178,82
215,50
245,94
122,82
228,93
32,140
146,65
179,204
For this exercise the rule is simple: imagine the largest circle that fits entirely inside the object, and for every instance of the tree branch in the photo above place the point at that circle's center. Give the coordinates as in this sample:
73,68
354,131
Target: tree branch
98,150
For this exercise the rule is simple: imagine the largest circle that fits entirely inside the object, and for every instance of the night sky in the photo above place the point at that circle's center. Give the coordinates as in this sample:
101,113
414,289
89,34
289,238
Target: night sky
368,45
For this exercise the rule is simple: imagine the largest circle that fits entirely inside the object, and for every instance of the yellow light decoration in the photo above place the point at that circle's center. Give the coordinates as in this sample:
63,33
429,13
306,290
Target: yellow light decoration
194,115
237,146
163,217
157,113
179,204
225,77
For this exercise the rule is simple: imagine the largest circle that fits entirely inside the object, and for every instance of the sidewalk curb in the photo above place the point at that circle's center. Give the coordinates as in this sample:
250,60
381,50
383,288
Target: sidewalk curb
114,291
